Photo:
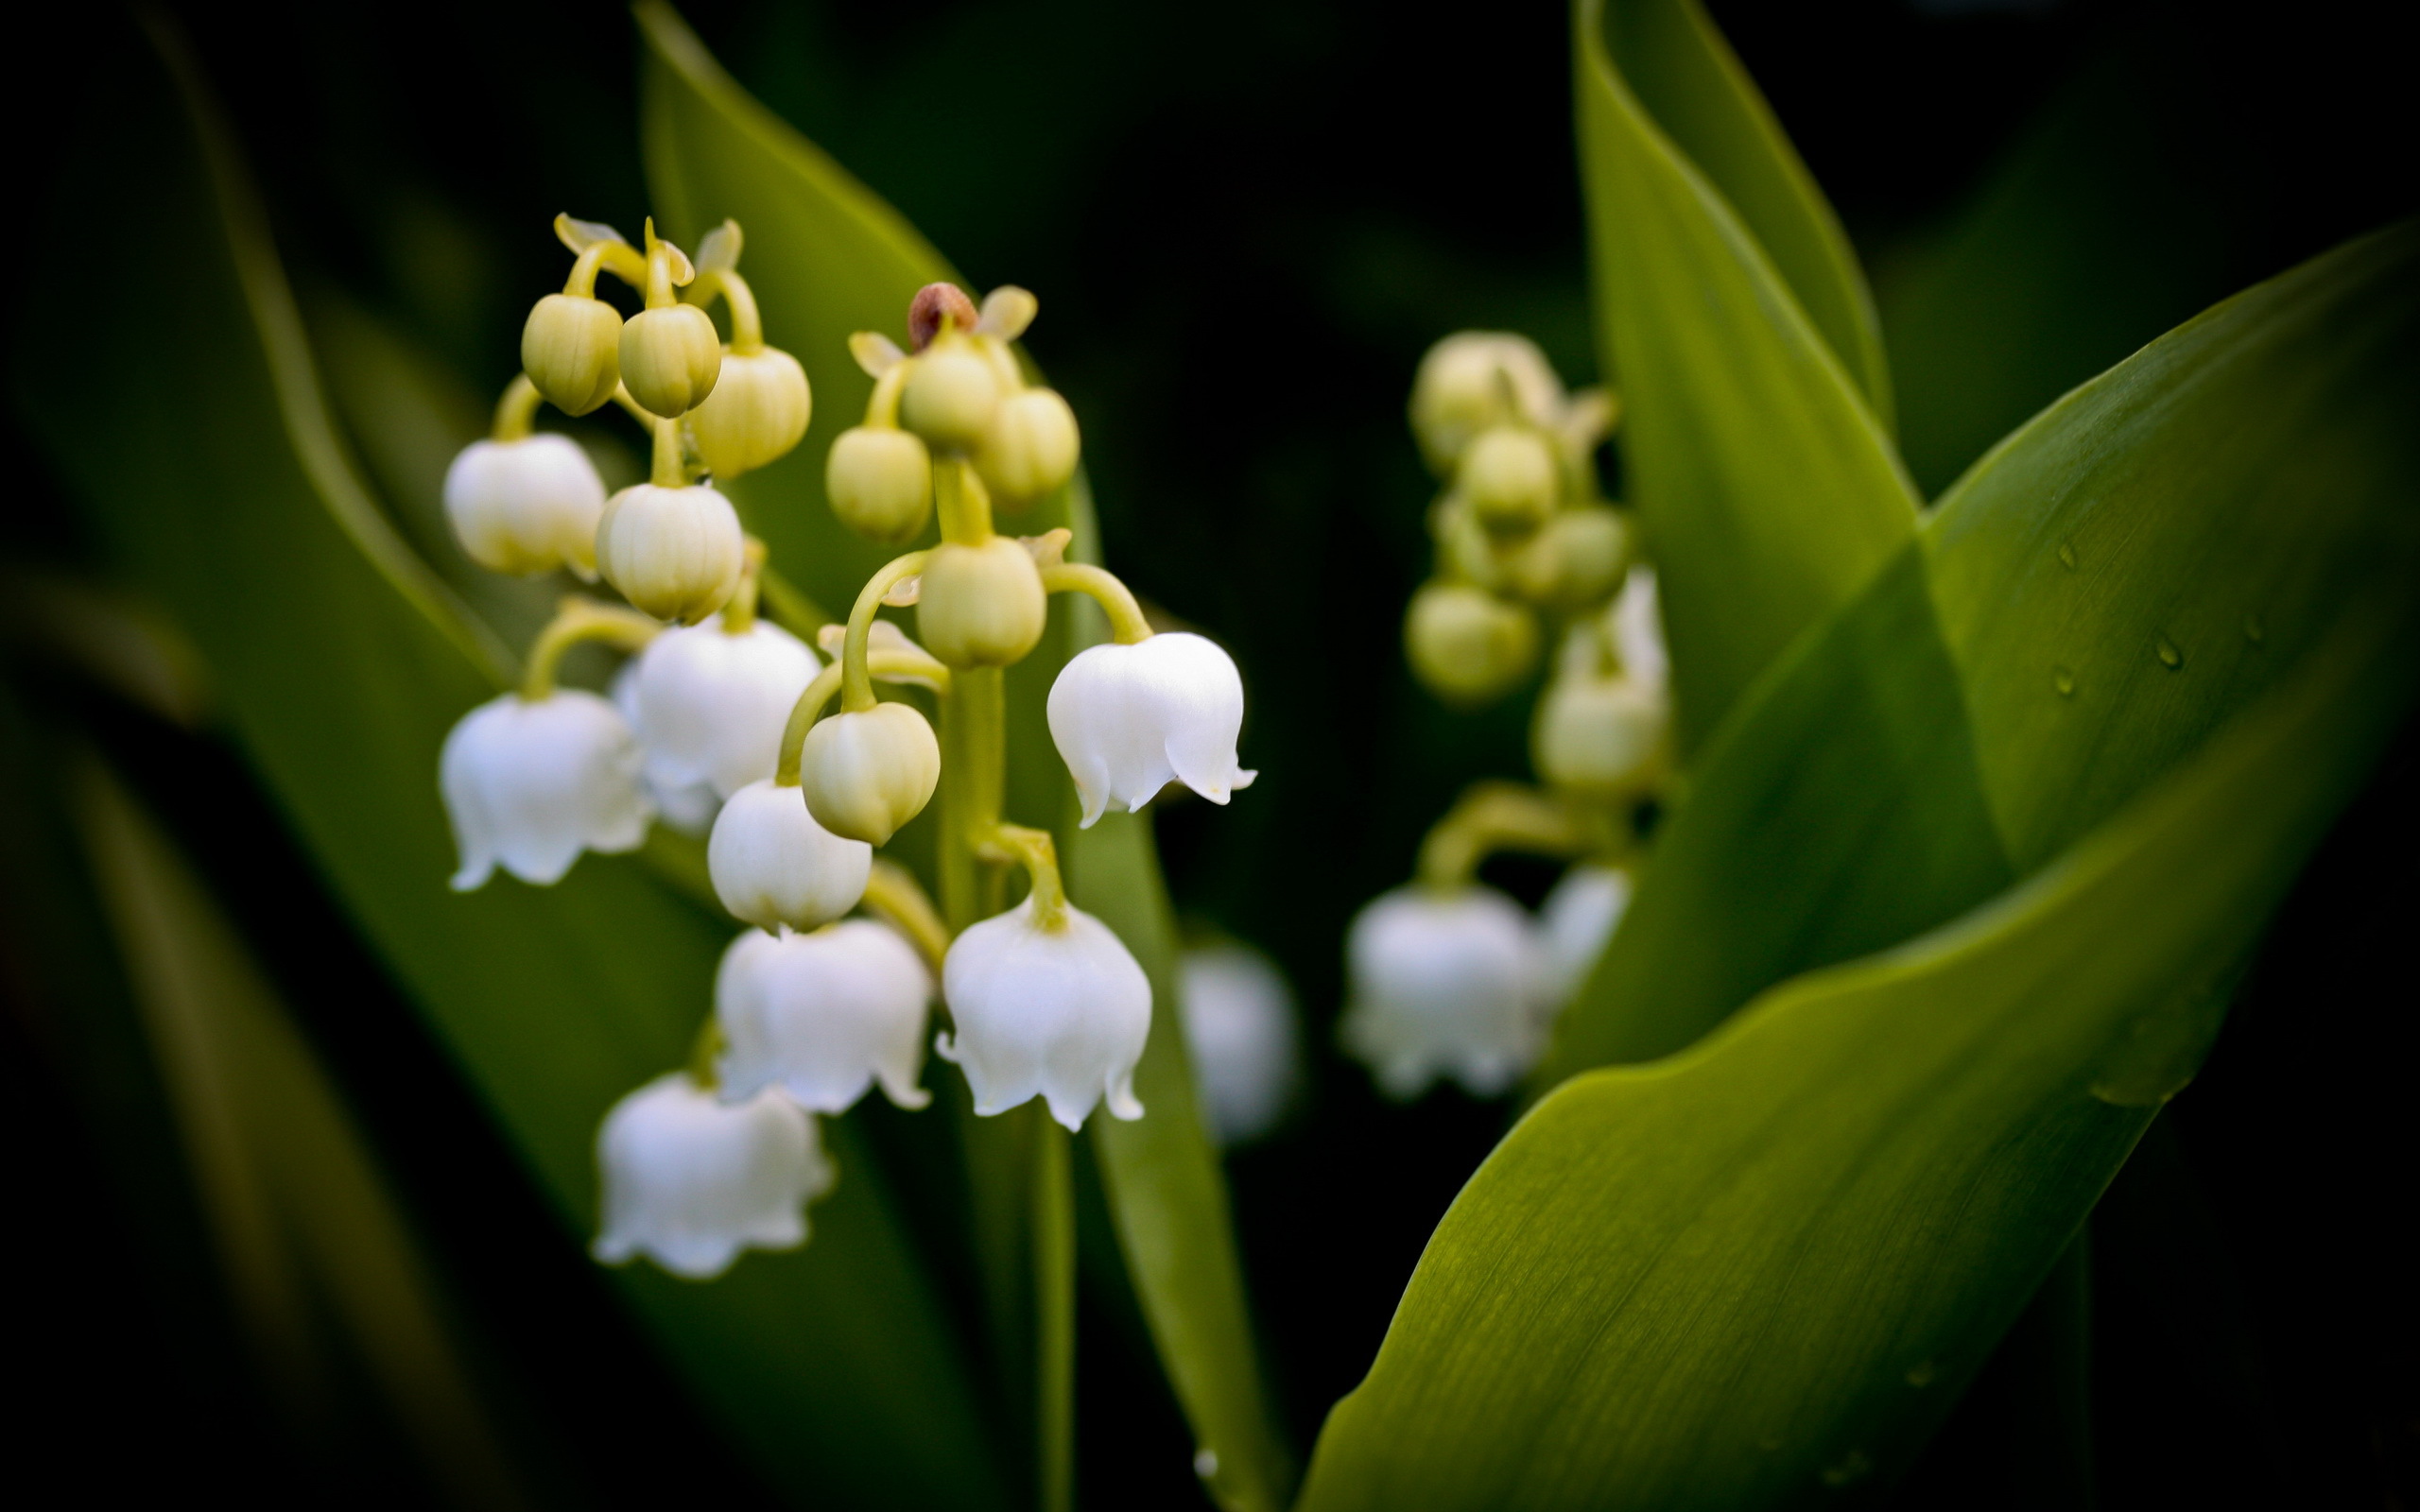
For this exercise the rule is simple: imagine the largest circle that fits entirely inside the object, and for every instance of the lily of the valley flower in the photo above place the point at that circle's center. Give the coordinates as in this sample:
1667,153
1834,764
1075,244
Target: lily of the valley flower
1577,918
689,805
675,551
822,1015
1240,1030
691,1180
711,703
1055,1011
523,505
772,864
1129,719
530,783
1445,984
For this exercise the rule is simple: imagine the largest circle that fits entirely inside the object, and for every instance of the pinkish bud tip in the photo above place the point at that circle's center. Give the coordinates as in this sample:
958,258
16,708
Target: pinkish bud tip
933,303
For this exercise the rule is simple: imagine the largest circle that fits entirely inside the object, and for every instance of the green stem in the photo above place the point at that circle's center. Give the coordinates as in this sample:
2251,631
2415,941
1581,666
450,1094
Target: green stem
1126,620
740,615
668,472
1493,816
857,684
704,1051
747,329
974,774
1039,854
891,666
1054,1317
962,502
516,410
582,619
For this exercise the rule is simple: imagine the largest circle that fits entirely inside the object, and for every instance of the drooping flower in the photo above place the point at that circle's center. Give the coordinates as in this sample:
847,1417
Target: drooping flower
1059,1011
1445,984
1639,631
688,806
868,772
1239,1027
1577,918
690,1181
1129,719
772,864
530,783
822,1015
675,553
710,704
525,505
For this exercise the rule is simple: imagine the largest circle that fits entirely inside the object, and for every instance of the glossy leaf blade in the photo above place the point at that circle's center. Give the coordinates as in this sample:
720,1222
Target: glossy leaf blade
1770,493
832,1364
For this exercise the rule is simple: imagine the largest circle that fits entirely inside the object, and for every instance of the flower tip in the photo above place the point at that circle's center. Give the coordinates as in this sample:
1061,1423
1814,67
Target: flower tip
1123,1102
915,1099
471,878
946,1047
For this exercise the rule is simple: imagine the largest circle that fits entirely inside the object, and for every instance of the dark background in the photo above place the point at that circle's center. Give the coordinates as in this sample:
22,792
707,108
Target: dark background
1246,223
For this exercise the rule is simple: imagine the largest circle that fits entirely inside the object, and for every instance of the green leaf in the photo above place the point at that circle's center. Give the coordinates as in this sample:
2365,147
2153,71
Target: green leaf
828,258
1768,489
832,1364
1764,1266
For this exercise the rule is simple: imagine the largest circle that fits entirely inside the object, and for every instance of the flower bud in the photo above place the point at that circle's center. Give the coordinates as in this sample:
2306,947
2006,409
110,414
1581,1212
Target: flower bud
823,1016
1468,647
674,553
690,1181
1443,984
951,395
1575,922
773,864
525,505
530,783
571,348
1604,735
981,606
710,705
671,358
1058,1012
1130,719
1239,1028
1030,449
1512,478
880,482
1575,560
758,410
1461,389
867,773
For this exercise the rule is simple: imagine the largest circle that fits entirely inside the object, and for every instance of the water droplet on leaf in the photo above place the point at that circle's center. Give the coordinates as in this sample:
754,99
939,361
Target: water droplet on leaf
2067,554
2169,657
2063,681
1205,1464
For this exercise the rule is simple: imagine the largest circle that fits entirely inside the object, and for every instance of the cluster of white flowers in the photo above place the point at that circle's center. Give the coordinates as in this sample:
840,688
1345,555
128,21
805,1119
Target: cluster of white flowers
717,724
1450,978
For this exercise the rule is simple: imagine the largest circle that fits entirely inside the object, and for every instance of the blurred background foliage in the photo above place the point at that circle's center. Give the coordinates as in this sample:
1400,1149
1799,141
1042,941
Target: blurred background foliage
1245,228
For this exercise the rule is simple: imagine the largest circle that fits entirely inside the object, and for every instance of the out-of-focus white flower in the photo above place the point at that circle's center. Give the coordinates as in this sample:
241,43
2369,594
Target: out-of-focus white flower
1599,733
1445,984
1240,1029
530,783
1473,379
525,505
675,553
709,706
690,806
1639,631
823,1015
772,864
1129,719
691,1180
1056,1012
1574,923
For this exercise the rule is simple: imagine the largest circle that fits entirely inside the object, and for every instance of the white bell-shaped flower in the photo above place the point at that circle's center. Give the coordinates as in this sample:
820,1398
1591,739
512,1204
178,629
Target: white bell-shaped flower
823,1016
690,1181
1239,1028
1639,631
687,806
1059,1012
525,505
1445,984
710,705
772,864
1577,918
1130,719
530,783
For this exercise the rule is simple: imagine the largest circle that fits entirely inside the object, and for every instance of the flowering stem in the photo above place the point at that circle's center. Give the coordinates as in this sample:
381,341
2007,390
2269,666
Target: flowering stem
1126,620
576,620
747,331
891,891
962,502
668,472
1493,816
857,684
620,259
516,410
740,615
1035,852
974,771
1054,1317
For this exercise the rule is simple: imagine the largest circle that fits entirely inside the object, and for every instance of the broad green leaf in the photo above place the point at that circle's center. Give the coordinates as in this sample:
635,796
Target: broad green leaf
828,258
1736,1275
833,1363
1769,492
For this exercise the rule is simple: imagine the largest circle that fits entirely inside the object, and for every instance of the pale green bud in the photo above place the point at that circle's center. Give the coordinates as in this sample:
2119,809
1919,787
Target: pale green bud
1476,379
1604,736
1511,477
571,350
880,483
674,553
758,410
981,606
950,397
1030,449
867,773
1466,646
671,358
1575,561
